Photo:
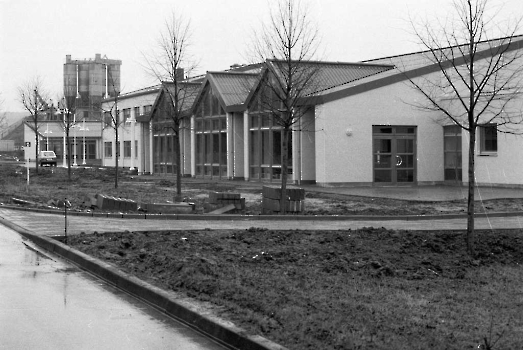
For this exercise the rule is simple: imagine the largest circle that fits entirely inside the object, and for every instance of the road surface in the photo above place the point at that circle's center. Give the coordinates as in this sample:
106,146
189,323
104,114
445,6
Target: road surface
46,303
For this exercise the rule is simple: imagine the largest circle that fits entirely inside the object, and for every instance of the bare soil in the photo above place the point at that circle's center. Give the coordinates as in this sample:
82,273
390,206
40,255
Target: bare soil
363,289
52,185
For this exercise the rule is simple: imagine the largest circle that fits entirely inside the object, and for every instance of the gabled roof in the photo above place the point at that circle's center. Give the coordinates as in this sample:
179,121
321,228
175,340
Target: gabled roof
331,74
232,89
187,93
325,75
412,65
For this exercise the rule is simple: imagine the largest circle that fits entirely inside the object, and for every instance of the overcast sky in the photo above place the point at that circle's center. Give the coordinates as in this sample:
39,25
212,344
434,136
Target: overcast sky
36,35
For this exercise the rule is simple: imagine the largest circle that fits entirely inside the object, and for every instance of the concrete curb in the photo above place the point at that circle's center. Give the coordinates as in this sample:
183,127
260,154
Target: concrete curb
230,217
190,312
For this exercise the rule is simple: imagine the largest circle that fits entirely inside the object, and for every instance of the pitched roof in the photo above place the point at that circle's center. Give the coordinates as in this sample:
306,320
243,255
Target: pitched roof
187,93
327,75
232,88
413,65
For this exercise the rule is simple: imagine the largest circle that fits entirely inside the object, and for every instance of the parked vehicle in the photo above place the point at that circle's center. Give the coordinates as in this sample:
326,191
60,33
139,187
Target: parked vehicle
47,158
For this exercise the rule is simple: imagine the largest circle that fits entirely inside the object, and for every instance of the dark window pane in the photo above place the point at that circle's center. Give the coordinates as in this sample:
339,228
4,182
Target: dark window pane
276,147
405,130
255,121
382,176
382,146
405,161
405,175
223,148
266,119
383,161
265,147
489,138
382,130
208,148
405,146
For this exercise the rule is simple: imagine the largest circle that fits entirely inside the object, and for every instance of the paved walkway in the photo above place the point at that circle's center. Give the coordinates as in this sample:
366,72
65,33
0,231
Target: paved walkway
414,193
54,224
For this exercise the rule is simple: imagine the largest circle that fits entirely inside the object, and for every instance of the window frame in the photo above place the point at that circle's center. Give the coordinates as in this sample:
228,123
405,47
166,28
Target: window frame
484,139
108,149
127,149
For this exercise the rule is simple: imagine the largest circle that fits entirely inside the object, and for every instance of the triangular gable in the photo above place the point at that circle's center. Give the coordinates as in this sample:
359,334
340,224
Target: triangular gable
189,91
230,88
326,75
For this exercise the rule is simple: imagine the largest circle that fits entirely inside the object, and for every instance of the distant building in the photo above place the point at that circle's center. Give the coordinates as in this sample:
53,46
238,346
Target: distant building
87,82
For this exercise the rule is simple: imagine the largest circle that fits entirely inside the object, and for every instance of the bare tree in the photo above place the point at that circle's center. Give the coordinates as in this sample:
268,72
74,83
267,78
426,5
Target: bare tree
67,110
287,44
31,98
477,80
111,120
170,63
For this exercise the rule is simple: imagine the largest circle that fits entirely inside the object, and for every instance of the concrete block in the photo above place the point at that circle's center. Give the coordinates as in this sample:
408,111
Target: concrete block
223,197
274,192
170,208
104,202
223,210
269,204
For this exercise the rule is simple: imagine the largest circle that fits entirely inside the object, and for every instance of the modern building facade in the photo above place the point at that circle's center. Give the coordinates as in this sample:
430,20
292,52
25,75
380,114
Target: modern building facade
362,126
132,113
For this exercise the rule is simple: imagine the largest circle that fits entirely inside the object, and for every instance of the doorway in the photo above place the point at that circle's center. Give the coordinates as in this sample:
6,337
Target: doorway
394,155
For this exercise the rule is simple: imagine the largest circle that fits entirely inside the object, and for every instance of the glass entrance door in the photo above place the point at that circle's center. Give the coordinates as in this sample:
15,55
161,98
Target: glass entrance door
394,154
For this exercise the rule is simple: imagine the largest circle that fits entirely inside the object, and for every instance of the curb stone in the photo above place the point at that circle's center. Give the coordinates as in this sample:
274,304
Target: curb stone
188,311
229,217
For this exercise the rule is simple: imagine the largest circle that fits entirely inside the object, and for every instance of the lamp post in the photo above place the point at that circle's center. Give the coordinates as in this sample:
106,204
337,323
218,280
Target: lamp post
64,111
74,142
84,129
47,132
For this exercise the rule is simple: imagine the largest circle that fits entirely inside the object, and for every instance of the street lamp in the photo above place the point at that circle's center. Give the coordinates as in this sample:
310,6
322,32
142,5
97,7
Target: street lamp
64,111
84,129
47,132
74,126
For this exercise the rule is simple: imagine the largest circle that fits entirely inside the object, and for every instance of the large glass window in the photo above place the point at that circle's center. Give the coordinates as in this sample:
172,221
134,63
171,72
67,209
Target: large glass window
266,149
211,137
452,149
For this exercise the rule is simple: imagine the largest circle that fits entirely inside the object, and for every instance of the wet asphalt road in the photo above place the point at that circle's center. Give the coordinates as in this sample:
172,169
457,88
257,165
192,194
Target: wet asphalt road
45,303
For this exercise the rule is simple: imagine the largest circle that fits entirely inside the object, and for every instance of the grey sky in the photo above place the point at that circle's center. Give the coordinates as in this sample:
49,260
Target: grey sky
35,35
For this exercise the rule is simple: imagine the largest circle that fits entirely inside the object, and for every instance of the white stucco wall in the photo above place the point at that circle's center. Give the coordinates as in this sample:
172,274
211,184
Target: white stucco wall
343,158
504,168
304,143
125,131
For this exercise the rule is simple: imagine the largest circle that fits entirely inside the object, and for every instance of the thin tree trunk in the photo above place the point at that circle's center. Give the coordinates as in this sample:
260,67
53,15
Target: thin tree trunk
470,204
178,161
116,154
284,169
68,150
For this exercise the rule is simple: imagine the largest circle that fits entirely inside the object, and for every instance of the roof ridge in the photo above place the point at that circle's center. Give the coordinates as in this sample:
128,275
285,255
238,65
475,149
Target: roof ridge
519,36
338,63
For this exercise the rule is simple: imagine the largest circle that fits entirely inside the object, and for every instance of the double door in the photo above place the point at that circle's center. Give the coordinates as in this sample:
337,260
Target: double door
394,155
